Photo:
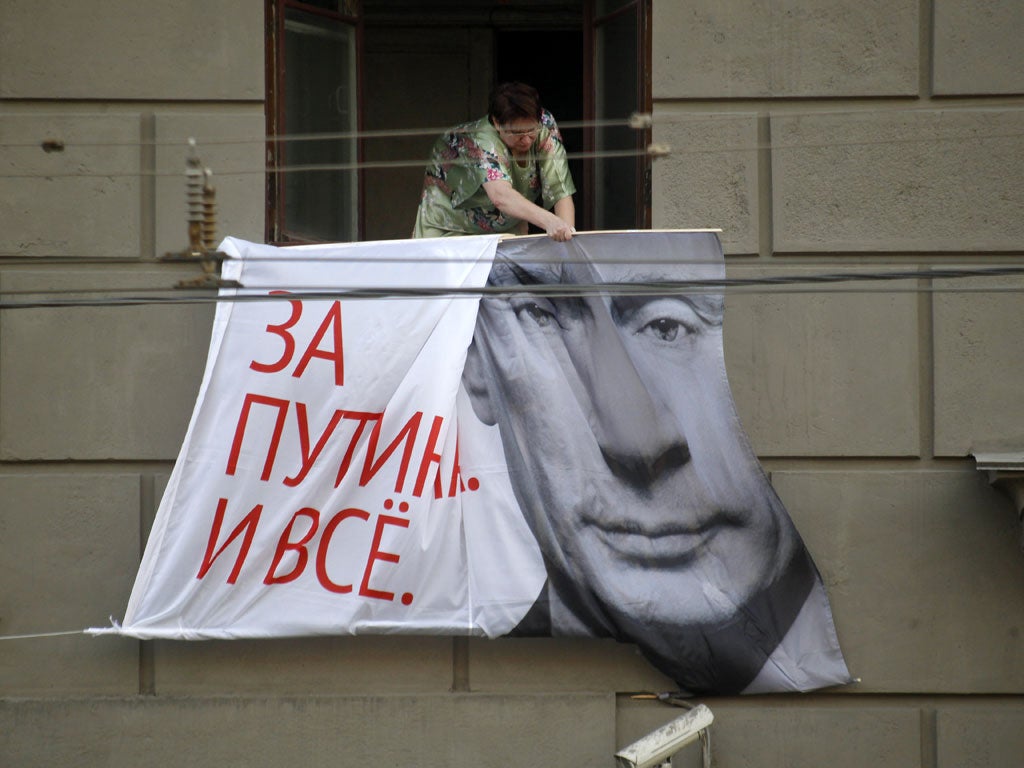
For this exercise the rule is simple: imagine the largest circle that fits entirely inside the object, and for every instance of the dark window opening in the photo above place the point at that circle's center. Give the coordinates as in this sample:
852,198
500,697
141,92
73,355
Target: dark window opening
552,62
348,79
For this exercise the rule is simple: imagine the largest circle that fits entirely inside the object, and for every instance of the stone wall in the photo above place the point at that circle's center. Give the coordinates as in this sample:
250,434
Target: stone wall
835,136
857,139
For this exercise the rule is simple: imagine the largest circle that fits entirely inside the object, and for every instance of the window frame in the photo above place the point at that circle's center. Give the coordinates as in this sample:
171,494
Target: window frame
275,11
592,21
353,15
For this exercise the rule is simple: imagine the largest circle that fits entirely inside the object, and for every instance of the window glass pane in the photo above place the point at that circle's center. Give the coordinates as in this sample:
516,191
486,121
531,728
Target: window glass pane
604,7
616,205
320,99
348,7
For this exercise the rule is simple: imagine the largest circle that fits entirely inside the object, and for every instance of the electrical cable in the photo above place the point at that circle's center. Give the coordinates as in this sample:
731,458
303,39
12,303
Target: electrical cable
635,122
808,283
64,298
371,134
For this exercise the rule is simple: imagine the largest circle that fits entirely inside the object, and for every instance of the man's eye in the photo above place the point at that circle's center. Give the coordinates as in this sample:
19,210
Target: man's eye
537,313
665,329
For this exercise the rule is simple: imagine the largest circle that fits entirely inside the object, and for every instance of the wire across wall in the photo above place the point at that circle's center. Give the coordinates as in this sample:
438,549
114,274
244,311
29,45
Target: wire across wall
911,274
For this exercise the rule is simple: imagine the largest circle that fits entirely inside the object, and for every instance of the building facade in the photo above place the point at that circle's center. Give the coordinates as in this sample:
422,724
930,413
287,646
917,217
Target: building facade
829,137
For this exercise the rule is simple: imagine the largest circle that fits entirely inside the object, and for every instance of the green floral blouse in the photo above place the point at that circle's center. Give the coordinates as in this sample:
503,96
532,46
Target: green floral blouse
454,201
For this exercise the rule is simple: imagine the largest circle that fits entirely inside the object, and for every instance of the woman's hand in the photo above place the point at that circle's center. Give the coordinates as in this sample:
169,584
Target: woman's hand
560,231
558,225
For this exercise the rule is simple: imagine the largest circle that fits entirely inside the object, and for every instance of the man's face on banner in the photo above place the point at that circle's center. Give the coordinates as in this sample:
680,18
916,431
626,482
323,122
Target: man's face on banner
619,428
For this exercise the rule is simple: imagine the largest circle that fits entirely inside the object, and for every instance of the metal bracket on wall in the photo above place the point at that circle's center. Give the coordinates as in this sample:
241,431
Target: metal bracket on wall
1004,466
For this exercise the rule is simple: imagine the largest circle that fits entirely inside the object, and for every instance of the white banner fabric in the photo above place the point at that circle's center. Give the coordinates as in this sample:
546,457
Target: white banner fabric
377,449
317,490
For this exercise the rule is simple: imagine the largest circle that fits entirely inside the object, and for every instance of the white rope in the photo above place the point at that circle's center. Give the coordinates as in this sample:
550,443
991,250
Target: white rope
43,634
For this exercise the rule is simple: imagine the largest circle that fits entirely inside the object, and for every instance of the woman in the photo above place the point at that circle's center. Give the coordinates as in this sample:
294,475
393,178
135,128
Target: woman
485,176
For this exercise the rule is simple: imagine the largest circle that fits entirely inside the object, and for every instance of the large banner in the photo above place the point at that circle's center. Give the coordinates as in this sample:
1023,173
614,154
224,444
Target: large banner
487,437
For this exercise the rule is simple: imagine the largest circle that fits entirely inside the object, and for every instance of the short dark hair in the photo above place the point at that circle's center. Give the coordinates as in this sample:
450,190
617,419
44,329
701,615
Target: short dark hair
514,101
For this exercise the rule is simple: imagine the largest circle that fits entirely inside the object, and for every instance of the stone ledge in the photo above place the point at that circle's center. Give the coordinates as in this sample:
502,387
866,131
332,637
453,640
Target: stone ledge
1003,464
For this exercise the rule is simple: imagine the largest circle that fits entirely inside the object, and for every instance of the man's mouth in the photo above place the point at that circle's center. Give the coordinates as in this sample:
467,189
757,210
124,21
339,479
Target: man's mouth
663,543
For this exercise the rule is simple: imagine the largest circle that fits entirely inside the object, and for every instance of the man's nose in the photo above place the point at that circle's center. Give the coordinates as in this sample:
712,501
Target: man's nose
639,439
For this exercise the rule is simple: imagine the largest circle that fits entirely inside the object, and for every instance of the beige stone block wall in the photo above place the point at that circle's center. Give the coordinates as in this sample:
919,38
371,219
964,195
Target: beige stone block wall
567,729
809,735
519,665
924,572
710,178
748,49
979,363
43,195
977,47
93,383
69,547
303,666
117,49
817,135
898,180
576,731
116,187
823,371
979,735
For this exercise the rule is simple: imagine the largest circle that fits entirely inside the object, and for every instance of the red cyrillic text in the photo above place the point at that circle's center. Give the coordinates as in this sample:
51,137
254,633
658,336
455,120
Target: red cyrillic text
304,525
331,324
259,432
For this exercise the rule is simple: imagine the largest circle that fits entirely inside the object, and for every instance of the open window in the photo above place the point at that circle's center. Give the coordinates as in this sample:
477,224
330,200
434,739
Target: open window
357,91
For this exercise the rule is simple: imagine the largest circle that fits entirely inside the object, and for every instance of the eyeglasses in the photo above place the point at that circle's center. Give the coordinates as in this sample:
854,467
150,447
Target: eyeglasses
532,131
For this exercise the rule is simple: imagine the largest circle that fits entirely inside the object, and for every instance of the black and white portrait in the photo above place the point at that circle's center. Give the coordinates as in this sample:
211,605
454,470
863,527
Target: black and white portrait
553,451
603,370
